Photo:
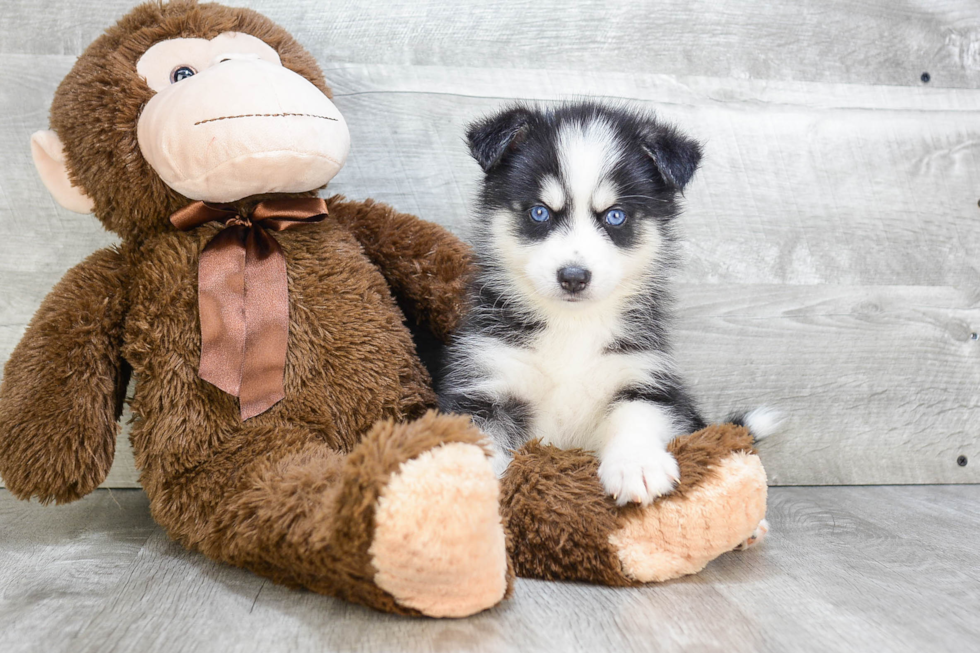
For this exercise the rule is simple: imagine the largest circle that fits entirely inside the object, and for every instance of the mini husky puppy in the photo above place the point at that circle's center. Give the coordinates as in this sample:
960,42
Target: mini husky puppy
566,340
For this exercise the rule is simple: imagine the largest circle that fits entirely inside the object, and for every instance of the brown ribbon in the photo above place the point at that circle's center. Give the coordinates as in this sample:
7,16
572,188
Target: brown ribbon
243,296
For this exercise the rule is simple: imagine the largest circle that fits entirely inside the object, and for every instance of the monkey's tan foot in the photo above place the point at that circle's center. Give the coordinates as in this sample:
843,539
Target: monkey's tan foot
438,543
680,535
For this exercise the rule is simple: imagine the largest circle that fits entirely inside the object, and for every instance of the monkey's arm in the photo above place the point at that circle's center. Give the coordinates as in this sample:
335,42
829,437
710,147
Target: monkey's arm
64,385
426,266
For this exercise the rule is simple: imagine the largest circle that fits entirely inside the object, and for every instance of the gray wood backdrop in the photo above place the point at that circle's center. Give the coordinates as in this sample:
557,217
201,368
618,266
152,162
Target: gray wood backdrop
833,236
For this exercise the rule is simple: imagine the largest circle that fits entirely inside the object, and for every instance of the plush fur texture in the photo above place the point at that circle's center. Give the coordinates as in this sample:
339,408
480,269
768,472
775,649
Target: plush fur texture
562,526
291,493
64,384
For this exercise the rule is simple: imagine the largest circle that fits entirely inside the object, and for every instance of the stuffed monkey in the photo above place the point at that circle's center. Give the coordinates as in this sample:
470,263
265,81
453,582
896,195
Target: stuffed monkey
281,414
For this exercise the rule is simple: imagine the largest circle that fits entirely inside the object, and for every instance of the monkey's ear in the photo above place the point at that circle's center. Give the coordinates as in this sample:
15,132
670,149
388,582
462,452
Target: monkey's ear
491,138
49,159
675,155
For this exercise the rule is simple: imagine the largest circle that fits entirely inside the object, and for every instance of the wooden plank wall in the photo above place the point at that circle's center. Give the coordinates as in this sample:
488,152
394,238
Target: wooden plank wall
833,236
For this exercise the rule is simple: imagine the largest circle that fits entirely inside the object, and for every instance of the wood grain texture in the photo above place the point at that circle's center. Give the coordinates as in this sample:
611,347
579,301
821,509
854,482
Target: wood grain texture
832,256
844,569
879,382
877,42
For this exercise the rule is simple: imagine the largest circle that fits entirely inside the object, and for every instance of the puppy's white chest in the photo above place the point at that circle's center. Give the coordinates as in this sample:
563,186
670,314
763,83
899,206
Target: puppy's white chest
568,380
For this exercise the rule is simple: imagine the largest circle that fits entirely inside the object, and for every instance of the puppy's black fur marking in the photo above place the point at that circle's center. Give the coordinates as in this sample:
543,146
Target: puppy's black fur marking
676,157
493,316
531,230
671,394
489,139
512,415
650,315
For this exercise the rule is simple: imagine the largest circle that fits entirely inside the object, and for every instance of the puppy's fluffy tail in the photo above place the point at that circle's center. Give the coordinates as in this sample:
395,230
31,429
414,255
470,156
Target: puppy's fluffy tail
761,422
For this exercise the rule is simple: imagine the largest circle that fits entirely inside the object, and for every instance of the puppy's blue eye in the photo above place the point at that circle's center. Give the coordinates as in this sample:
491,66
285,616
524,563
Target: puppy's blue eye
614,217
539,213
181,73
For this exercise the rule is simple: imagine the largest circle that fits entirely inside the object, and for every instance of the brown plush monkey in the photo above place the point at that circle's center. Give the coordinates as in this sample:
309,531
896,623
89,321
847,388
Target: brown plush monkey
338,479
281,413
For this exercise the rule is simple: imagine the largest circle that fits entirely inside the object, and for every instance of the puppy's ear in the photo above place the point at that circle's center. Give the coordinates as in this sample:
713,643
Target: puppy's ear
675,155
491,138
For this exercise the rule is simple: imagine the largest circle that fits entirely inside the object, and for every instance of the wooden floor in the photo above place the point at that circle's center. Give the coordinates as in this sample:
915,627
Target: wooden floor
845,569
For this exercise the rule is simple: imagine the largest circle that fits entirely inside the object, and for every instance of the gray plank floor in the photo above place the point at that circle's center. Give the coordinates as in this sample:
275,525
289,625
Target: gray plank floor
845,569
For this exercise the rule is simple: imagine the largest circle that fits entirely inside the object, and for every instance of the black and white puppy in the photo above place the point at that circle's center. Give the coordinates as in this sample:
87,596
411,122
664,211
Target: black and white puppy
567,337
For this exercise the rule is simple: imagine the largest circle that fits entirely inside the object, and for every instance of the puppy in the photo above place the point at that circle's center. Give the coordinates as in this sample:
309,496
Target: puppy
567,336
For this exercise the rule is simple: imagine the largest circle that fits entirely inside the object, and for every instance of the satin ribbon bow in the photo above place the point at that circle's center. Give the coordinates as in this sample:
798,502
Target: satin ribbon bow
243,296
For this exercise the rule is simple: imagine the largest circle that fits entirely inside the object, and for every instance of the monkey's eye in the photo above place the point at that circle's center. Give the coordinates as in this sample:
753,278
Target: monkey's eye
614,217
539,213
181,73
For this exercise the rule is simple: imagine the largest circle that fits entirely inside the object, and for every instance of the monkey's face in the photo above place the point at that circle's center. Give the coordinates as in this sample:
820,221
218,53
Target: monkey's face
182,101
229,121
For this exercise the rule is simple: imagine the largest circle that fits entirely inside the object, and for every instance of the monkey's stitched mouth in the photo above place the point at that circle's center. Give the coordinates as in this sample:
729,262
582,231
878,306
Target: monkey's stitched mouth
265,115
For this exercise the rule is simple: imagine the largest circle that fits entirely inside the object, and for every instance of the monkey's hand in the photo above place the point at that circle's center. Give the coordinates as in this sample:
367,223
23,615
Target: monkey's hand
426,266
64,384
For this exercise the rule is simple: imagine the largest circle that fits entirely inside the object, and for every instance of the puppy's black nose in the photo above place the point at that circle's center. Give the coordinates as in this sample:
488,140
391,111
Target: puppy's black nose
573,278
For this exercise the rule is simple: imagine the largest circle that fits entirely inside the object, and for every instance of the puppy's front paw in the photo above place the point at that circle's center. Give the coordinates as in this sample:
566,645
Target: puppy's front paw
638,476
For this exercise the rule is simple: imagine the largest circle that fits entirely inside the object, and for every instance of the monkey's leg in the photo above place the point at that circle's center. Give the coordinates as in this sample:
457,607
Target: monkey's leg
562,526
407,523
